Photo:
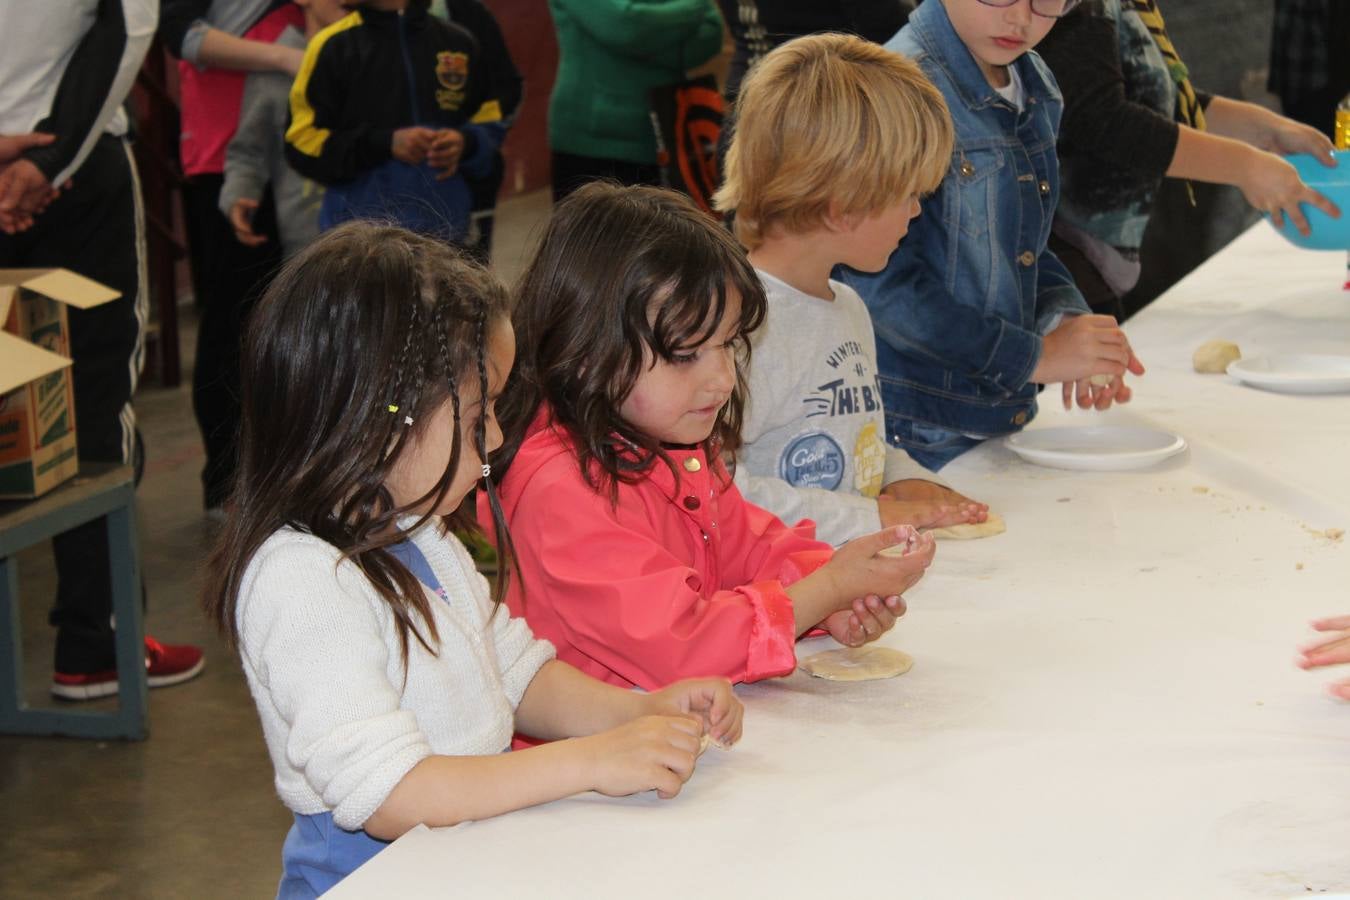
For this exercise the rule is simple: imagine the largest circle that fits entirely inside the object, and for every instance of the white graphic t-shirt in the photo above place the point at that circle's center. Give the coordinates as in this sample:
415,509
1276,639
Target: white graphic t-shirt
814,444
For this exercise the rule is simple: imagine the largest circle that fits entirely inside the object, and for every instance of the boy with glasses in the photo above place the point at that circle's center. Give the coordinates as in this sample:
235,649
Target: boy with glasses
976,313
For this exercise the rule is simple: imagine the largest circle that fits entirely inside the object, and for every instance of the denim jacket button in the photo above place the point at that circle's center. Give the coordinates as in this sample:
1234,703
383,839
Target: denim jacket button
1027,258
1020,419
1045,188
967,169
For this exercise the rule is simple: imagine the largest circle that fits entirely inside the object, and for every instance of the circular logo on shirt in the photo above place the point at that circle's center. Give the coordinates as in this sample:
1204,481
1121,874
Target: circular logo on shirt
812,460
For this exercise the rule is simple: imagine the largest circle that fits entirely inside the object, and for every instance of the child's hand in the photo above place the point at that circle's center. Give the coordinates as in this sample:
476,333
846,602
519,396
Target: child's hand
241,219
868,619
1091,395
1330,651
1272,185
860,569
650,753
1083,346
1285,136
711,699
445,151
925,504
410,145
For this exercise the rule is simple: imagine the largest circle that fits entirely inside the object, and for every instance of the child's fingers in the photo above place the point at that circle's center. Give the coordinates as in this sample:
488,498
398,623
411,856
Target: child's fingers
1068,394
1083,388
1340,689
871,544
1325,643
680,760
690,724
1105,395
855,636
665,782
1332,623
1322,202
724,703
881,615
1297,219
1330,653
728,733
896,604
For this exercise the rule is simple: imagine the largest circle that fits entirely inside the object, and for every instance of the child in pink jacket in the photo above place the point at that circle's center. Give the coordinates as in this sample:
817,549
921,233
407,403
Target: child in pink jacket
638,557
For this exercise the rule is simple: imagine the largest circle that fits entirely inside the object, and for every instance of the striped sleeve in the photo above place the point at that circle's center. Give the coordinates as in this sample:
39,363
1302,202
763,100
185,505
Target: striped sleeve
95,82
318,146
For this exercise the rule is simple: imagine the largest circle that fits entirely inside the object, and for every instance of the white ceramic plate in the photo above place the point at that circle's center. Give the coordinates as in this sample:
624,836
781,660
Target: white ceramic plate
1097,448
1294,373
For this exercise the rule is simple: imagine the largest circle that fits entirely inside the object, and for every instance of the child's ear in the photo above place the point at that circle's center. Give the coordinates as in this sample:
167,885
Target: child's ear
837,220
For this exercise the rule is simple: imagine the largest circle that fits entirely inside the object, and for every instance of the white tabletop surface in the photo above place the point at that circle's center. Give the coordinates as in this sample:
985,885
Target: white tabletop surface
1103,703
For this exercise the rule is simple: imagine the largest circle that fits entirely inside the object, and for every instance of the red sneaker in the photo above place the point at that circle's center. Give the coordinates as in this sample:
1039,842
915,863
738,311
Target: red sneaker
165,664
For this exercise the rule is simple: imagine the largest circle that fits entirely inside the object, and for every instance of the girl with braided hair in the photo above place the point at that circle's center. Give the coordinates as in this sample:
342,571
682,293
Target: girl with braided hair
387,679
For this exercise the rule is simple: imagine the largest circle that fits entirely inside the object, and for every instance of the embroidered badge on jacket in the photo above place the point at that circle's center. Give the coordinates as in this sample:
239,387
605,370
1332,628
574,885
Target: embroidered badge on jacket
452,72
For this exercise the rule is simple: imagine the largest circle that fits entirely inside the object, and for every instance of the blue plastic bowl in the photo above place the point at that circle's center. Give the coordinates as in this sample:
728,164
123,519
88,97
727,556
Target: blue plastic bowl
1334,184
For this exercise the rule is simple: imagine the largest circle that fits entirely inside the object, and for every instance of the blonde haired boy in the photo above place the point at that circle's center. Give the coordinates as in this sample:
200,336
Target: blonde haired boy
835,139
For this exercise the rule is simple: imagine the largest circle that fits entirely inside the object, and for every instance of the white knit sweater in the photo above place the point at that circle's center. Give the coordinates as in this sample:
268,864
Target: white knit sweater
342,724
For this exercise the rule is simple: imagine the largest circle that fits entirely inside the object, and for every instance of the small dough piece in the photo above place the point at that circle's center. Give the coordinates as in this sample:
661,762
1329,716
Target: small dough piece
970,531
857,664
1213,357
707,741
1101,380
900,549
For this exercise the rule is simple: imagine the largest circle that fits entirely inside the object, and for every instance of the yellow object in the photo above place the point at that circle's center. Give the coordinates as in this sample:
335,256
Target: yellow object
1343,124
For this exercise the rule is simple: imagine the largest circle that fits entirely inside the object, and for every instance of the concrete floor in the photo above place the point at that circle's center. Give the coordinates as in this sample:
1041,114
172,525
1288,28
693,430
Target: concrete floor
190,812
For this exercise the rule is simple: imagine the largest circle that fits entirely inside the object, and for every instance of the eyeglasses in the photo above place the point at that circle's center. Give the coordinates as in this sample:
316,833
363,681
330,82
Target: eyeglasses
1050,9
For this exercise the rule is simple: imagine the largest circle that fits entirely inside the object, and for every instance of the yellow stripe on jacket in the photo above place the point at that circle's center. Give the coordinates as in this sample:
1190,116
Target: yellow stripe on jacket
302,135
491,111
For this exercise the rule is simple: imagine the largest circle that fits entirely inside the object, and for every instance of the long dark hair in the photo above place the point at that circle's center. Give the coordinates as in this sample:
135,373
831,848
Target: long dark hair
366,319
619,270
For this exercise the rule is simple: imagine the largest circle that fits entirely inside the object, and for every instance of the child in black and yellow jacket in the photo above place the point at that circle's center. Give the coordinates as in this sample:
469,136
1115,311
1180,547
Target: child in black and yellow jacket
393,107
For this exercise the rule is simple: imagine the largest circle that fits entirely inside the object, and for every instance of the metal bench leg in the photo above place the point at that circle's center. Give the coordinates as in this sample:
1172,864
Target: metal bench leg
11,642
131,718
132,701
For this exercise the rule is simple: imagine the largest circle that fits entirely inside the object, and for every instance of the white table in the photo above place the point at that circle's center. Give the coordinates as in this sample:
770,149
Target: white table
1104,701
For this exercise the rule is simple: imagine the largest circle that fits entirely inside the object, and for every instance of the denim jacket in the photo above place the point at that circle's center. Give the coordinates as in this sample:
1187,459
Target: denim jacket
962,305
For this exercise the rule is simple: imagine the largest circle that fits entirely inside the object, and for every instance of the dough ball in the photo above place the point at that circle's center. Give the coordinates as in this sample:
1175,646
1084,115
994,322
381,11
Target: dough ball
970,531
1213,357
1101,380
857,664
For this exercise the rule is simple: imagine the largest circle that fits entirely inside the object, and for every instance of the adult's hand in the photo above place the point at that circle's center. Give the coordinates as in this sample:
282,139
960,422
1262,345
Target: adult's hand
24,193
13,145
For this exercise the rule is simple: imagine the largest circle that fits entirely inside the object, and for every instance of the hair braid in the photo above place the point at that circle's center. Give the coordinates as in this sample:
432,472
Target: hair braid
406,363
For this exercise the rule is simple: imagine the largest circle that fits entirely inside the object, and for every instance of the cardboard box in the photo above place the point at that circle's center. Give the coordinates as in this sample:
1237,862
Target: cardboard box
37,400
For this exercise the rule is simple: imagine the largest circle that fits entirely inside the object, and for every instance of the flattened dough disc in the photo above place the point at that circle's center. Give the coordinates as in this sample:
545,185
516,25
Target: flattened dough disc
857,664
988,528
